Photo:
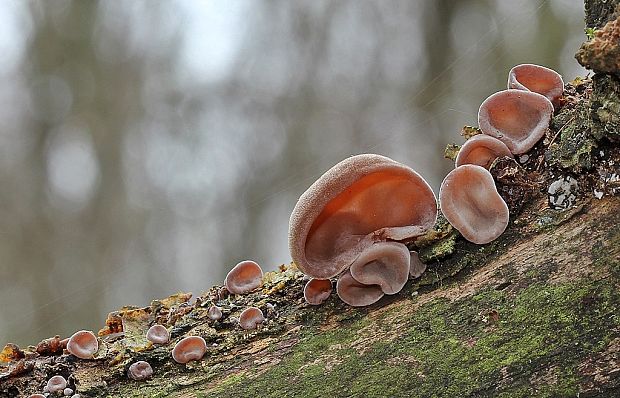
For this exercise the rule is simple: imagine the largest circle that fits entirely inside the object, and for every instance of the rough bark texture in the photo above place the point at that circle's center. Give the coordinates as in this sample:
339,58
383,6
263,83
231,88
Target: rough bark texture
533,313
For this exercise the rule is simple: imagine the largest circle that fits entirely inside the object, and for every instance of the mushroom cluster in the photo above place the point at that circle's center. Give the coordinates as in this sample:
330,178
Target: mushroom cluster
354,222
512,122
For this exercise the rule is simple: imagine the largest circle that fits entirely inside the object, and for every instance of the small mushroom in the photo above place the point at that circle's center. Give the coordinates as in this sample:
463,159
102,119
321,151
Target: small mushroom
56,383
83,344
362,200
538,79
517,118
214,313
67,392
191,348
416,267
36,396
471,203
250,318
244,277
317,291
355,293
482,150
140,370
158,334
385,264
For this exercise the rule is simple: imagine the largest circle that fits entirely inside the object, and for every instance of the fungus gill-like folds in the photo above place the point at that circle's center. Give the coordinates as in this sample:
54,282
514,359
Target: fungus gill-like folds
250,318
385,264
355,293
191,348
482,150
244,277
517,118
317,291
158,334
471,203
538,79
83,344
362,200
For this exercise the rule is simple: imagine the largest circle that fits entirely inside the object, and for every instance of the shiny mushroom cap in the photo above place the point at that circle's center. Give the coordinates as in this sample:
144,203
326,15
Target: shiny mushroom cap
214,313
385,264
158,334
244,277
517,118
355,293
191,348
471,203
56,384
538,79
361,200
317,291
250,318
482,150
140,370
83,344
416,267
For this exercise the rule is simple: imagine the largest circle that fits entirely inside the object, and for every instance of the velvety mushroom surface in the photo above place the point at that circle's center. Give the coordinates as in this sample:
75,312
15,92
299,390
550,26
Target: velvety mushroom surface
361,200
471,203
538,79
385,264
482,150
517,118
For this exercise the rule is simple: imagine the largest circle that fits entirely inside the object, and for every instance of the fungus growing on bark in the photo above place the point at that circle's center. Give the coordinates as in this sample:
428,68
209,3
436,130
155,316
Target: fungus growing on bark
416,267
355,293
191,348
517,118
482,150
36,396
158,334
214,313
317,291
244,277
250,318
385,264
83,344
360,201
538,79
56,384
471,203
140,370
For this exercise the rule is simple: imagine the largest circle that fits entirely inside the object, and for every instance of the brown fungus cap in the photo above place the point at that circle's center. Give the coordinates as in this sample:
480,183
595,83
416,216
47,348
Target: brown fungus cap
471,203
250,318
140,371
317,291
56,383
244,277
482,150
191,348
158,334
385,264
538,79
83,344
361,200
214,313
355,293
517,118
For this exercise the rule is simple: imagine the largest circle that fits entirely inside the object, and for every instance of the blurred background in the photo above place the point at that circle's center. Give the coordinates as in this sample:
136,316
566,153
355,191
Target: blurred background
148,146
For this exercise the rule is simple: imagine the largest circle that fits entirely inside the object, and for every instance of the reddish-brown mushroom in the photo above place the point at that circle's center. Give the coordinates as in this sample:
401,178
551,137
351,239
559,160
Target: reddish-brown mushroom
482,150
83,344
244,277
158,334
471,203
250,318
385,264
36,396
517,118
416,267
214,313
191,348
362,200
317,291
355,293
140,370
538,79
55,384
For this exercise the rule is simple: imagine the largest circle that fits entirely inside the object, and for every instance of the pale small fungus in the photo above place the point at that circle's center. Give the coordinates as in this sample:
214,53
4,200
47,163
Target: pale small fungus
482,150
250,318
317,291
416,267
355,293
385,264
191,348
36,396
83,344
471,203
56,384
214,313
244,277
538,79
158,334
517,118
67,392
140,371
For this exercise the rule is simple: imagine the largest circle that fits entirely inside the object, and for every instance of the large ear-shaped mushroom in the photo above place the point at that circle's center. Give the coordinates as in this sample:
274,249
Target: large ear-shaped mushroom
482,150
385,264
471,203
357,294
517,118
538,79
361,200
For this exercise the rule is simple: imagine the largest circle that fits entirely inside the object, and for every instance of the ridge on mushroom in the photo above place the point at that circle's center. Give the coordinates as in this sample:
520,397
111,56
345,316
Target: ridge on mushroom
362,200
244,277
482,150
517,118
538,79
317,291
471,203
355,293
385,264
